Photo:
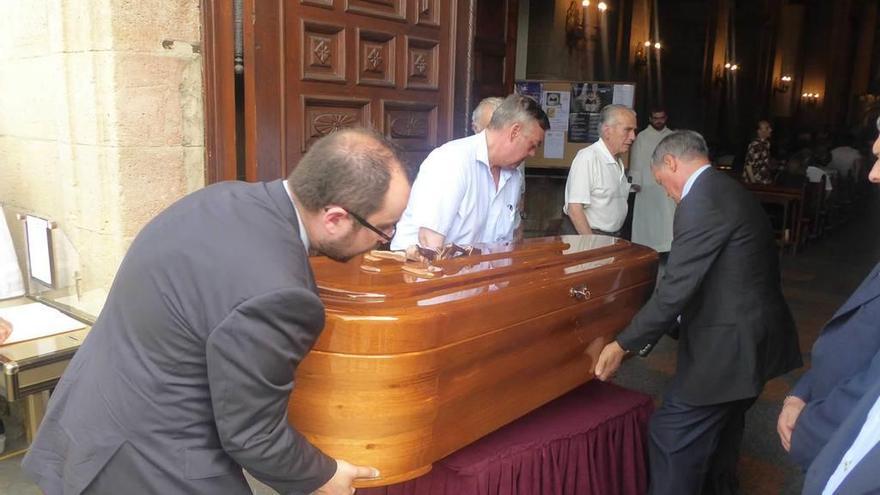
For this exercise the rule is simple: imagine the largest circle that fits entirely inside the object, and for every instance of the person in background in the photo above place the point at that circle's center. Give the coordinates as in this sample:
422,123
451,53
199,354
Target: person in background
467,190
845,158
479,121
482,114
596,190
722,289
185,377
758,167
653,209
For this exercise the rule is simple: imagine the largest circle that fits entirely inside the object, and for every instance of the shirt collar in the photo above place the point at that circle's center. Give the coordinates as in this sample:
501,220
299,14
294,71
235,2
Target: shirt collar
482,148
603,150
692,179
303,235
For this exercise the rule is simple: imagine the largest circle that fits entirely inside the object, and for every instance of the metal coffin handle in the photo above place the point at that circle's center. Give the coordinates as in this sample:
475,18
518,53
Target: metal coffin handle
581,292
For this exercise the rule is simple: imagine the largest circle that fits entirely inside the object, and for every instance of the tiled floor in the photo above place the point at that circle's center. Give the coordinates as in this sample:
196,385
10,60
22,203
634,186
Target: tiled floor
816,283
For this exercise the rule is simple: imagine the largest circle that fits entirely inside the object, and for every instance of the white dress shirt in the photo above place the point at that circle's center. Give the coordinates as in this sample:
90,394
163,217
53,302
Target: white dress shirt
303,234
454,195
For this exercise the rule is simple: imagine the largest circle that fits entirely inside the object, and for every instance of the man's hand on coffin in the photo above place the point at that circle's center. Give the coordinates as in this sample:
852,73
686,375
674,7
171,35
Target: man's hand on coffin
609,361
346,473
791,409
5,330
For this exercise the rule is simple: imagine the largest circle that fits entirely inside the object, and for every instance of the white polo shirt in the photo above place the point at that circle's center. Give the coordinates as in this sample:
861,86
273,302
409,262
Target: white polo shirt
455,195
597,180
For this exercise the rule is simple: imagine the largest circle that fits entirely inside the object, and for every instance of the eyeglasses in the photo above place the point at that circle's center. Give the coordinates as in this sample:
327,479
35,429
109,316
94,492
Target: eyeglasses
361,220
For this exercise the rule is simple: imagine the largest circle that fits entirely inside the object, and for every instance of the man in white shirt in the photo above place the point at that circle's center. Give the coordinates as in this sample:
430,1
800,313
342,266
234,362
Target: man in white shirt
480,118
653,209
467,190
596,190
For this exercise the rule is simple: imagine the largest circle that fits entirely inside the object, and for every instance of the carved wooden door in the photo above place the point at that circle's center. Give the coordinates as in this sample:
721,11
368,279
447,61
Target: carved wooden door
314,66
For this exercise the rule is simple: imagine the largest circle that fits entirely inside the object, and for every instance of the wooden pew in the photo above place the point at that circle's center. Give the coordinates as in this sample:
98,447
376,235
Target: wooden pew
791,200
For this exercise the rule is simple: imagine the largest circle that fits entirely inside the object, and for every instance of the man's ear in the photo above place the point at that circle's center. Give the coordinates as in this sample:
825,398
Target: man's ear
515,130
333,219
670,162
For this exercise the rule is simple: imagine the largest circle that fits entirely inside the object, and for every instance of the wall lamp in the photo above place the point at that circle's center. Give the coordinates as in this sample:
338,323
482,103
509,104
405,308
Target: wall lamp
575,22
810,98
782,84
643,50
721,73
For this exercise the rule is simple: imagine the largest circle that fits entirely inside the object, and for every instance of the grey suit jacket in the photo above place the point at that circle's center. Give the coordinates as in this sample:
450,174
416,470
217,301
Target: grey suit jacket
722,277
185,376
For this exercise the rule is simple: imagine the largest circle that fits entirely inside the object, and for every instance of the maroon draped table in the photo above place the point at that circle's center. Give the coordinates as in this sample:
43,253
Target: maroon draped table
592,440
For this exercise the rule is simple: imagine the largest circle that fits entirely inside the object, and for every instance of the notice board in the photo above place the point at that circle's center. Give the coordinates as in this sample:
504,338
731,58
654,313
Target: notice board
573,108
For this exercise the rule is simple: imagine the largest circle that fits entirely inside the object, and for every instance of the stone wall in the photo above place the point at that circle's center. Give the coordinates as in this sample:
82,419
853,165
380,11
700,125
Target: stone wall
101,122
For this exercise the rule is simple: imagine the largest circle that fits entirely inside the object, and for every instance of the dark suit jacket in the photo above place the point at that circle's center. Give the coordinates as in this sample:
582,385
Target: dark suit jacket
185,376
839,376
863,479
722,277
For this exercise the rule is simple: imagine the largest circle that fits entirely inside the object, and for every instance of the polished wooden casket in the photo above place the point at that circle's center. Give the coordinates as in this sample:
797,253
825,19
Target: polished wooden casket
414,365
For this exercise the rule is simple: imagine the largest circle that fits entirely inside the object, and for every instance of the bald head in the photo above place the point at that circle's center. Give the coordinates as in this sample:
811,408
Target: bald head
351,167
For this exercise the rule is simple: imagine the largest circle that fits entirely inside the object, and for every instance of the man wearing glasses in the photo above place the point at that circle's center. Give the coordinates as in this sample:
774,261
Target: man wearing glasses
185,377
467,190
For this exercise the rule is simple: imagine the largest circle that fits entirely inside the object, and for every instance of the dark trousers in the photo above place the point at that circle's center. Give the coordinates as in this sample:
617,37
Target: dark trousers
694,449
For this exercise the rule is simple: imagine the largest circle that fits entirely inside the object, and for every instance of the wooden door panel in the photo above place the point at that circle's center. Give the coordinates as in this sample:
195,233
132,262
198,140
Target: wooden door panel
337,63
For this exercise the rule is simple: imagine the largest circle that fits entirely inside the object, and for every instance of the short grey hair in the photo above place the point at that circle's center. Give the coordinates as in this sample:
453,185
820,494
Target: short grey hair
519,109
492,102
682,144
608,116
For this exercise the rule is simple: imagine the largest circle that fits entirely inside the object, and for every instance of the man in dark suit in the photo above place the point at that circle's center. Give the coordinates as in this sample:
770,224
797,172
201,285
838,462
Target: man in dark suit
848,463
722,288
840,375
184,379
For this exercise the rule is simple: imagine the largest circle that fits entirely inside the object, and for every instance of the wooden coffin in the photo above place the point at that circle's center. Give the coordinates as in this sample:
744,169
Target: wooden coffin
410,368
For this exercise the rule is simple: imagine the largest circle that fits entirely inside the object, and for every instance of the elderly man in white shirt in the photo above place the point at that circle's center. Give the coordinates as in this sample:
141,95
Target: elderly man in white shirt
467,190
597,189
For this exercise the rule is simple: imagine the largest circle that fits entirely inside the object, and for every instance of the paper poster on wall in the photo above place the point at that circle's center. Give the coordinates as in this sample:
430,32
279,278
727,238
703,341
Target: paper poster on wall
624,94
556,106
587,100
532,89
554,144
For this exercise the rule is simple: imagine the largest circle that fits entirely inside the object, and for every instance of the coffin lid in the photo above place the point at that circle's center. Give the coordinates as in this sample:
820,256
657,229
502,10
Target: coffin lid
360,281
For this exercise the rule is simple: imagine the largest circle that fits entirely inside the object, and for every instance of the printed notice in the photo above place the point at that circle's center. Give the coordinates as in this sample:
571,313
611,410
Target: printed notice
554,144
557,107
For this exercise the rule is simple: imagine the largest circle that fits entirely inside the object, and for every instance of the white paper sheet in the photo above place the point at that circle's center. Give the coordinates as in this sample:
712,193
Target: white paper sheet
38,249
35,320
554,144
624,94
